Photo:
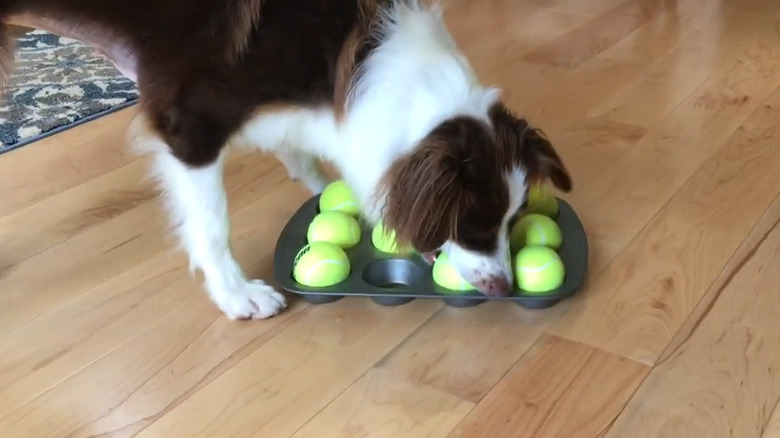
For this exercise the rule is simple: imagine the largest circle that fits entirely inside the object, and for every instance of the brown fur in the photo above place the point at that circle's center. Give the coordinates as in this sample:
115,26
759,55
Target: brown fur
452,185
207,66
356,47
247,18
448,187
204,66
523,145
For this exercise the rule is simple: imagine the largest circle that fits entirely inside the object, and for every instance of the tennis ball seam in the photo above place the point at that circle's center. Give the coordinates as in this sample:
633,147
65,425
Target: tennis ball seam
539,228
344,204
538,268
314,269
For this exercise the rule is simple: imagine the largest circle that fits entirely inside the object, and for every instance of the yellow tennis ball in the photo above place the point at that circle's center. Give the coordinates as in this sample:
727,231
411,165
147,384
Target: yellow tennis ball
334,227
339,196
542,202
538,269
446,276
321,264
384,240
535,230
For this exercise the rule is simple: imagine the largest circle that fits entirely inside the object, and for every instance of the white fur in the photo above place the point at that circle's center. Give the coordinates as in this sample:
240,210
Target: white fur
198,209
415,80
479,268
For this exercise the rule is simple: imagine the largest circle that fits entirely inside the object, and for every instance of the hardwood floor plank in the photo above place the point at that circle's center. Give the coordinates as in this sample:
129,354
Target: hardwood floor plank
594,8
284,383
733,354
772,429
57,163
757,235
82,331
465,352
644,178
666,112
382,405
679,22
149,375
678,73
584,42
559,389
113,338
634,308
30,231
114,246
592,145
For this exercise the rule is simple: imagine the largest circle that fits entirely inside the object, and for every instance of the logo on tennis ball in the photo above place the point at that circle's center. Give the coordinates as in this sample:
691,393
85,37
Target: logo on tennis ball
339,197
334,227
538,269
321,264
535,230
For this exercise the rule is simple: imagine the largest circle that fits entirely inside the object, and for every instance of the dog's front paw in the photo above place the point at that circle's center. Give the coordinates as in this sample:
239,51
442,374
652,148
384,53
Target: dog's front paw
252,300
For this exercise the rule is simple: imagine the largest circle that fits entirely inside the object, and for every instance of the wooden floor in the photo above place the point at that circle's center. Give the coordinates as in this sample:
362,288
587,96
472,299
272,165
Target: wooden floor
668,114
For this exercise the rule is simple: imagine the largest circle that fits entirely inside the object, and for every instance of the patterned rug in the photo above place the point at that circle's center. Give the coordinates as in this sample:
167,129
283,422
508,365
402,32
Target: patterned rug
58,83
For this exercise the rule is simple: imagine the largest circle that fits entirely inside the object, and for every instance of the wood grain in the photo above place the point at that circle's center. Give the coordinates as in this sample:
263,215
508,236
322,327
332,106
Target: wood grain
636,308
666,112
759,233
723,380
577,46
772,429
465,352
53,164
382,405
112,243
333,344
560,389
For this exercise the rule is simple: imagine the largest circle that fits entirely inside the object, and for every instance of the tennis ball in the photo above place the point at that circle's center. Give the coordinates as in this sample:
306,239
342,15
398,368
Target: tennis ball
384,240
338,196
446,276
321,264
535,230
538,269
334,227
542,202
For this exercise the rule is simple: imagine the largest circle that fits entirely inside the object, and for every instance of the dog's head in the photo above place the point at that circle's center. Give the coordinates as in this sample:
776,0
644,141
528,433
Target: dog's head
461,187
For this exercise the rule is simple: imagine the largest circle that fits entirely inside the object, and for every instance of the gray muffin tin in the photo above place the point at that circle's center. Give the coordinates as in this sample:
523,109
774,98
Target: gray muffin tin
391,279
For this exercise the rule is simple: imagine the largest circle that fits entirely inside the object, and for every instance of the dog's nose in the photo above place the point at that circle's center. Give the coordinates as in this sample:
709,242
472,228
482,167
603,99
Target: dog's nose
497,286
429,257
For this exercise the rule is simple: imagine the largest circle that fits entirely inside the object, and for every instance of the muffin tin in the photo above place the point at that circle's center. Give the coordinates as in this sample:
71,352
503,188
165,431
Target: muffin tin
392,279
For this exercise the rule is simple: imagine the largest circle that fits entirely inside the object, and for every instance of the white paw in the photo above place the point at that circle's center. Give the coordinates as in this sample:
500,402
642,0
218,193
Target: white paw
253,300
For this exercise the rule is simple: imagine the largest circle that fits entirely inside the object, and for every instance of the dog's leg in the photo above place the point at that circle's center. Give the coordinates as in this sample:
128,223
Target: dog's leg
198,204
304,167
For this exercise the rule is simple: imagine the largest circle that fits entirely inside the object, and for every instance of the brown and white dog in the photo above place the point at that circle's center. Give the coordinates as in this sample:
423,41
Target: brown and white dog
377,87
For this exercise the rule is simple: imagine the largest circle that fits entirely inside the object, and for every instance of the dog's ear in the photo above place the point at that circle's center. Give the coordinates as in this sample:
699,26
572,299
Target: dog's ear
542,162
524,145
428,189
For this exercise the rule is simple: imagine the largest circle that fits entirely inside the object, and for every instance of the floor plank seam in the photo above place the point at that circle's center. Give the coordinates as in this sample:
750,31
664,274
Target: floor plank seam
368,369
656,215
233,359
554,404
749,256
603,433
